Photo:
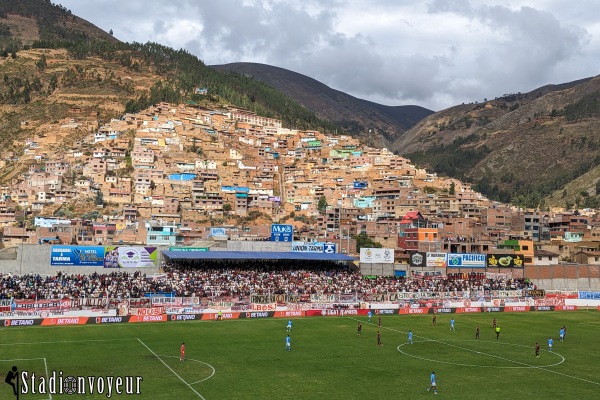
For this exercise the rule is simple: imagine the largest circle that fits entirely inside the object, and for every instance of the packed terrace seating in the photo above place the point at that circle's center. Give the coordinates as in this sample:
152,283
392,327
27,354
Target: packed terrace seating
237,280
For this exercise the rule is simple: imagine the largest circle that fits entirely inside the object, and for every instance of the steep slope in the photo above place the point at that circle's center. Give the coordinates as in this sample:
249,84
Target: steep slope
520,147
27,21
352,114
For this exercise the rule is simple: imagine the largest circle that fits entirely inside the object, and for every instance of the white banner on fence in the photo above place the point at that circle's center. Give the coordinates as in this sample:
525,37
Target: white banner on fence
376,256
436,260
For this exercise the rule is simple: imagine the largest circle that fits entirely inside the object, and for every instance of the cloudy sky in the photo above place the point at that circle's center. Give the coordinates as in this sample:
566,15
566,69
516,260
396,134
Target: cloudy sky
432,53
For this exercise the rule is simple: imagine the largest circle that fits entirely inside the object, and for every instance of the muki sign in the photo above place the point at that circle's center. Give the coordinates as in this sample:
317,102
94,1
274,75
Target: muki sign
282,233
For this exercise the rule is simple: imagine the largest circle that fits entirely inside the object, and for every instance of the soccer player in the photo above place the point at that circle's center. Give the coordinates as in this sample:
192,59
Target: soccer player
497,332
477,333
564,332
550,343
433,385
410,337
220,315
434,320
289,325
288,343
452,324
379,339
182,352
370,314
561,335
379,321
359,329
537,349
494,323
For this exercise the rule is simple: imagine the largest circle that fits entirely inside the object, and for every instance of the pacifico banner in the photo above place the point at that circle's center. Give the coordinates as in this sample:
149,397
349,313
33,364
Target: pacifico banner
460,260
104,256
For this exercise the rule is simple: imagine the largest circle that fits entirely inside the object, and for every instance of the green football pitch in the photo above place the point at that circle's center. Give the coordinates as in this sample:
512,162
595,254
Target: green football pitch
246,359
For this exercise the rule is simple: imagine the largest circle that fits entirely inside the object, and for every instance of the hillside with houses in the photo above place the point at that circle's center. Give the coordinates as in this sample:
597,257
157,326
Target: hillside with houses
167,175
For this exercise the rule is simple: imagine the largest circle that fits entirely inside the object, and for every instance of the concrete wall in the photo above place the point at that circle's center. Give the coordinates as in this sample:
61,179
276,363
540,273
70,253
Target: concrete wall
377,269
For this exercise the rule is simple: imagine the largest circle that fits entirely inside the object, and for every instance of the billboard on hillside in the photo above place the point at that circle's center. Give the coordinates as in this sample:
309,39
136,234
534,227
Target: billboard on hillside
282,233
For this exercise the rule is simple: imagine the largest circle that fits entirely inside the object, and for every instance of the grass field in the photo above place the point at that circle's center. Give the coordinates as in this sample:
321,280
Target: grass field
245,359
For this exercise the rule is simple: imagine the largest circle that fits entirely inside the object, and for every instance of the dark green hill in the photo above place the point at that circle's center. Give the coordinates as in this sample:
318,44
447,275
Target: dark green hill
353,114
518,148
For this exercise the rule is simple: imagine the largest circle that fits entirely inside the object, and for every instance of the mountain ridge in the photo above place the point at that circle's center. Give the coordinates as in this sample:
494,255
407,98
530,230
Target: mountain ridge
351,113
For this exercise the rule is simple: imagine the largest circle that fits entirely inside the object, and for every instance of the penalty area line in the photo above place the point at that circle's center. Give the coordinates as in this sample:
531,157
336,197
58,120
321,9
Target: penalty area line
170,369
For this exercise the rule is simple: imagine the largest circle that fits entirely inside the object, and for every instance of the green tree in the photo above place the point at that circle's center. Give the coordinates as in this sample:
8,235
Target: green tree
99,200
363,240
322,205
452,189
41,64
227,207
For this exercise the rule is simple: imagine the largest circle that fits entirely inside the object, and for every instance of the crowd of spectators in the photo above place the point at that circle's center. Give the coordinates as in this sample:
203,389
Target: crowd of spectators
238,280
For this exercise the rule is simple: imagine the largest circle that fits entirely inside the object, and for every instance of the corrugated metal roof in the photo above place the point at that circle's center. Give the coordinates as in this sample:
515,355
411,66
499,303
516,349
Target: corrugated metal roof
255,255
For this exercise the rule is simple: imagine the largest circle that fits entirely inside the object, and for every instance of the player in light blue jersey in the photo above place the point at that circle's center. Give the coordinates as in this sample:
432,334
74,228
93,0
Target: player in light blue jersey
289,325
550,343
370,314
410,337
433,384
561,334
452,324
288,343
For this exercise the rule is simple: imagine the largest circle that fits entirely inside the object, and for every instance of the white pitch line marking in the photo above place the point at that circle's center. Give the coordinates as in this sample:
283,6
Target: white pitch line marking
67,341
200,362
47,376
171,369
490,355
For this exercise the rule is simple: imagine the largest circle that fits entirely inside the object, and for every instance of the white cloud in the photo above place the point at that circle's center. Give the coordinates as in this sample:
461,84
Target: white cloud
435,54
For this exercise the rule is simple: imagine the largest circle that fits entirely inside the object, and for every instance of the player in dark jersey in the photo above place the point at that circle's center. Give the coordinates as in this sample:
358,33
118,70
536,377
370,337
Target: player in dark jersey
359,329
537,349
434,320
477,333
379,339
